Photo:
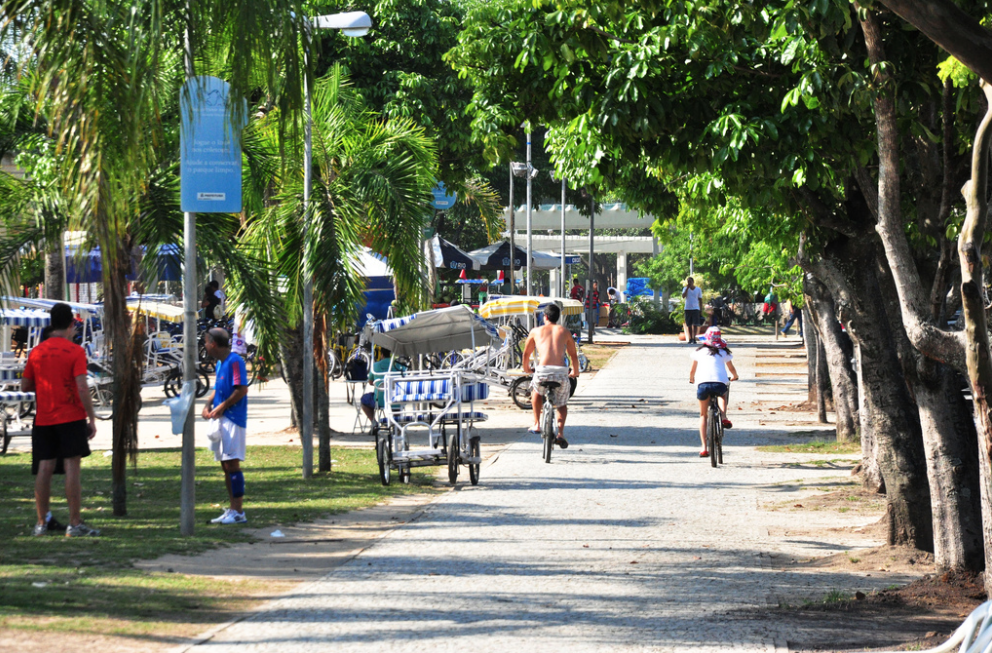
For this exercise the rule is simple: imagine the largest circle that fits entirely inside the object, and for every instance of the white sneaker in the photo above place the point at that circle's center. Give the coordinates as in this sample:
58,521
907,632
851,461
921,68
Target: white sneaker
233,517
223,516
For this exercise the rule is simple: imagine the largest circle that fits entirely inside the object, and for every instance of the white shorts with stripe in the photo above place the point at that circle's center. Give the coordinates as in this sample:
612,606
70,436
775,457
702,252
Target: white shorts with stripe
232,443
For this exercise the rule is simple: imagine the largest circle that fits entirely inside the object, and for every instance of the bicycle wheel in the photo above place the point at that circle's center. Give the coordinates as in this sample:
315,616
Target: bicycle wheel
453,458
711,426
335,368
473,468
719,439
173,384
382,457
4,436
520,393
202,384
584,364
548,429
103,404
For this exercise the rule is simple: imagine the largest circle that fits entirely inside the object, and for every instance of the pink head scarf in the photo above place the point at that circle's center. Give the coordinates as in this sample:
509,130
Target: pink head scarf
714,338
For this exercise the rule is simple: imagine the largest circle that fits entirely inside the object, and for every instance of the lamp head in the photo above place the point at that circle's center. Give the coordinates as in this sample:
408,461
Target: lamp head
351,23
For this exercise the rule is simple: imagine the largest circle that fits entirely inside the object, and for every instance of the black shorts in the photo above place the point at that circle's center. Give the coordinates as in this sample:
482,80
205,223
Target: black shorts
67,440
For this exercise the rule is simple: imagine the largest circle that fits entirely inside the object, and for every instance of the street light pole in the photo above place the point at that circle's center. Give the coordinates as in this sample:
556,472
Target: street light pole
512,239
562,282
352,23
530,239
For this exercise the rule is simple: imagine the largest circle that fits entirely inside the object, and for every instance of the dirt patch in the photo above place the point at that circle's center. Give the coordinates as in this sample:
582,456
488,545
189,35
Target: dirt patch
899,559
850,499
922,614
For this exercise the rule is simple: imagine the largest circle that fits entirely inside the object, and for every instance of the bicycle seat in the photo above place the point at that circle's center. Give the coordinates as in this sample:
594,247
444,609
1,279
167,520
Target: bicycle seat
550,385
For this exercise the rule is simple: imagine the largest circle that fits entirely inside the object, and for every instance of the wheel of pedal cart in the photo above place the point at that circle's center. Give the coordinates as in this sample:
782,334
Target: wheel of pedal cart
453,458
4,436
473,468
383,458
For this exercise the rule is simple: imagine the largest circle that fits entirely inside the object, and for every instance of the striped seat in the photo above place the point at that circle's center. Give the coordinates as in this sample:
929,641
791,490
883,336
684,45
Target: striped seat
466,416
437,390
11,397
11,373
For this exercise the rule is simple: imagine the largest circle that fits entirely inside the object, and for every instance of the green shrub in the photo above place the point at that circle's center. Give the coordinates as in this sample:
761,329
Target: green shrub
646,317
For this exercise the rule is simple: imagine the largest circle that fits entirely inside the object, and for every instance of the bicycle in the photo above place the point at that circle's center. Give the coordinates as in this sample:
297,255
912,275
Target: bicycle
549,422
714,430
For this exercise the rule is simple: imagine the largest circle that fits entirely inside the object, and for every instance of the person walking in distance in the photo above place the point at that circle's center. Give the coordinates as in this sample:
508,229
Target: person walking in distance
692,294
64,420
592,306
552,343
577,292
228,405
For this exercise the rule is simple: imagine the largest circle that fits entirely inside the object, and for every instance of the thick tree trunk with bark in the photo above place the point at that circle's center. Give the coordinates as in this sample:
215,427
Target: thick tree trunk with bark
871,473
894,421
978,356
55,272
847,269
823,389
810,344
839,351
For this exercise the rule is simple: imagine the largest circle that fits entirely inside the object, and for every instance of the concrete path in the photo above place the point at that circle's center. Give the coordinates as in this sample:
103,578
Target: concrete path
627,541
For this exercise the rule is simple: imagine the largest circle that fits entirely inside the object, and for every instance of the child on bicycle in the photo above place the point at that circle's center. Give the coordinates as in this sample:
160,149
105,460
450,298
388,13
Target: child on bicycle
711,361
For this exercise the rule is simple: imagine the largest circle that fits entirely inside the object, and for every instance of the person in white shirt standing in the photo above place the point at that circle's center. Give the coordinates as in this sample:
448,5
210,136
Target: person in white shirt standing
709,371
693,319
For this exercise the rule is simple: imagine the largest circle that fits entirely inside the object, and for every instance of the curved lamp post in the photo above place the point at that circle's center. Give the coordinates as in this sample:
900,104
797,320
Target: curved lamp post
354,24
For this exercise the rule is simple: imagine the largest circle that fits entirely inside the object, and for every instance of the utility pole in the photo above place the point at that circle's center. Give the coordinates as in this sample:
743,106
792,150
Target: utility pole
562,282
187,480
530,240
592,226
512,240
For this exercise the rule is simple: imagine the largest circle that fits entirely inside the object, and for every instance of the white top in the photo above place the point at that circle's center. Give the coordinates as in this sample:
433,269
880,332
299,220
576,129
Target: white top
711,368
692,298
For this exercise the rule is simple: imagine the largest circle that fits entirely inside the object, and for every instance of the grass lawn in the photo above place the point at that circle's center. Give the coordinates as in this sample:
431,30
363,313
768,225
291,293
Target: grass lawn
599,355
815,446
89,585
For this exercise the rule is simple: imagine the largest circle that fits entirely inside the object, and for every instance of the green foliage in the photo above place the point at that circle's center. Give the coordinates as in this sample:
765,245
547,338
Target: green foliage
645,317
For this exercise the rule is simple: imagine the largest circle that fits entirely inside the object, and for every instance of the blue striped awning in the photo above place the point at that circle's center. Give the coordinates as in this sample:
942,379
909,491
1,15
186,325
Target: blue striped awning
24,317
382,326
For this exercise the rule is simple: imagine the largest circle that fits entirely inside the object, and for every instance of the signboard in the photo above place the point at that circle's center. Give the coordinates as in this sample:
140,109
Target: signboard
209,148
442,199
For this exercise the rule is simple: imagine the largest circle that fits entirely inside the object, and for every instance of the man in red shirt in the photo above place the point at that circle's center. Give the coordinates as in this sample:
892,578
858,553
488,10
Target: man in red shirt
56,373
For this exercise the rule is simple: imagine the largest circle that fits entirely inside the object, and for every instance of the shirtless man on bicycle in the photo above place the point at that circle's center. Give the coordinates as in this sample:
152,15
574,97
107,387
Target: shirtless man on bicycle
552,342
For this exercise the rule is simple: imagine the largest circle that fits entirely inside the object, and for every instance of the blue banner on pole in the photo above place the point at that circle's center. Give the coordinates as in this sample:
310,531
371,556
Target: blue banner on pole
443,200
210,148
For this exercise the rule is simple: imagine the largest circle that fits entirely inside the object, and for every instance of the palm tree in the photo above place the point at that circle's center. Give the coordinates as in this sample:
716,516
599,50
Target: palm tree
371,185
104,73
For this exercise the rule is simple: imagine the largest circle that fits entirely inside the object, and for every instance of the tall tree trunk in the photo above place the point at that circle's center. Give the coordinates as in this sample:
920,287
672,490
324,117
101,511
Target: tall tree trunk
871,473
839,352
978,356
811,343
848,269
951,446
55,271
894,419
291,353
823,390
321,379
949,443
127,356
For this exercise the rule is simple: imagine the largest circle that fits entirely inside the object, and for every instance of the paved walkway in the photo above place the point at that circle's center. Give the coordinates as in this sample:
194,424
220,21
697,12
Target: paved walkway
626,542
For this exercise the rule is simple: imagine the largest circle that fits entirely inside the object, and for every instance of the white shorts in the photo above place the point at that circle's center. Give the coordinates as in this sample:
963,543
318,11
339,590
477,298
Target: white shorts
231,445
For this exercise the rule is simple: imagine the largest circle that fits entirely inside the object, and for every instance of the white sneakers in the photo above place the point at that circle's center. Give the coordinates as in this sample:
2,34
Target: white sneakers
230,517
